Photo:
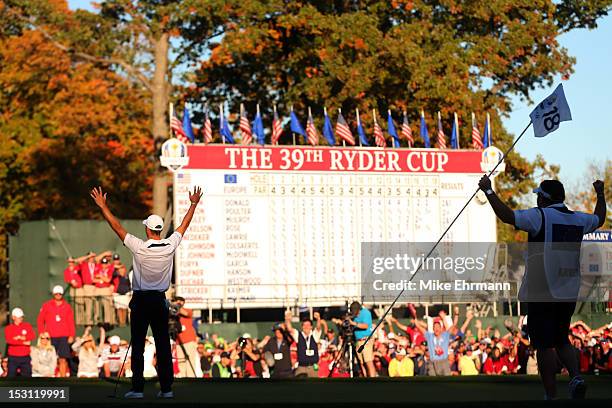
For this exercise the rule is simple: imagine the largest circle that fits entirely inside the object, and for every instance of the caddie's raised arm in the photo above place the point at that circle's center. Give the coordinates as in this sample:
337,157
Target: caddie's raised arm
501,210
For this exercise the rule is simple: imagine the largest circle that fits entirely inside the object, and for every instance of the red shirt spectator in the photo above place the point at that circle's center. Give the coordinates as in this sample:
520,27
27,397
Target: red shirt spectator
188,333
18,335
511,363
494,363
72,275
89,268
56,318
103,275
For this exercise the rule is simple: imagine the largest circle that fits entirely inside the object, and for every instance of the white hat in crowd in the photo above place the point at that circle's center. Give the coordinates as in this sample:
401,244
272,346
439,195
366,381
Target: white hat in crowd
57,289
17,312
154,222
114,341
401,352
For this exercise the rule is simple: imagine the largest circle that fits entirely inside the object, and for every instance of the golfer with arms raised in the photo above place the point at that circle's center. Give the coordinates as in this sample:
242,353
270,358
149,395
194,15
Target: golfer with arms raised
152,264
552,281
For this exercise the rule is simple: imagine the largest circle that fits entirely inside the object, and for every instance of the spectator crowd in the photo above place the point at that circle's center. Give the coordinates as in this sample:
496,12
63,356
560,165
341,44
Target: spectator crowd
431,346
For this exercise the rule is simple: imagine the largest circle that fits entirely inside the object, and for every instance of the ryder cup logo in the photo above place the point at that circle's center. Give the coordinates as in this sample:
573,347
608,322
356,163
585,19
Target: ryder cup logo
174,154
490,157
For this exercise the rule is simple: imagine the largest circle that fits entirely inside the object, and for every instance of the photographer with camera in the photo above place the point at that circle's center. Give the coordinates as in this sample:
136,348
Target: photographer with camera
249,356
188,359
361,322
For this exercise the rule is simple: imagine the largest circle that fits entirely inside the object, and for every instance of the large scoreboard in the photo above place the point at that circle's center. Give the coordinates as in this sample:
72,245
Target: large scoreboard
280,226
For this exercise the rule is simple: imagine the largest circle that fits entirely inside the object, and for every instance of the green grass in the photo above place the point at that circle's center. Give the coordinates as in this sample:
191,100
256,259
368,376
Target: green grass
480,391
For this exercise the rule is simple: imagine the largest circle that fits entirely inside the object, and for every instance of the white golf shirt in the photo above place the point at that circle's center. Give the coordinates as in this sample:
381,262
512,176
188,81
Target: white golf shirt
152,261
560,226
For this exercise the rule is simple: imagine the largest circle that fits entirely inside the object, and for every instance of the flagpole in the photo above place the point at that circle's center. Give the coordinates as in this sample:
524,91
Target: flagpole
382,319
273,119
343,141
489,140
358,124
258,113
406,120
170,114
292,132
222,122
457,130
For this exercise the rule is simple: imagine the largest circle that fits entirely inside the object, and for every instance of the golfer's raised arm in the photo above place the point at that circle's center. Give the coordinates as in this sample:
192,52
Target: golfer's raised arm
501,210
600,207
195,199
99,198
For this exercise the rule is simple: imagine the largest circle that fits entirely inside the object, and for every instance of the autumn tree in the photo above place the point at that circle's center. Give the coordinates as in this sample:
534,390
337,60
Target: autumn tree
144,41
448,56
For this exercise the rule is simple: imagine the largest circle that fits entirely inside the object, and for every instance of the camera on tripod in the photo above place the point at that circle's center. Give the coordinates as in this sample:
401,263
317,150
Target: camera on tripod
174,322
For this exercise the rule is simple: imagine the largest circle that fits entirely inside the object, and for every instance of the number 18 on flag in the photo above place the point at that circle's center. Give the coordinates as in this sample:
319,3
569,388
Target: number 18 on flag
549,113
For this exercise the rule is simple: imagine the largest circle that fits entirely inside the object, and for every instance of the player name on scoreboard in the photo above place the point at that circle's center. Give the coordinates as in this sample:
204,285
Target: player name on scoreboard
283,225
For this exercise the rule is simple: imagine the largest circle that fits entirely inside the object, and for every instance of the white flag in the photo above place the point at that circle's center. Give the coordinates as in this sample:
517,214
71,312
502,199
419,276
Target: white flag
549,113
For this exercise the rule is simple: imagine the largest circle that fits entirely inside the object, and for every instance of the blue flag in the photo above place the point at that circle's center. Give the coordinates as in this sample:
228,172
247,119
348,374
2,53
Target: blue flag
258,129
296,127
328,131
225,130
424,132
486,141
455,135
187,125
362,136
391,130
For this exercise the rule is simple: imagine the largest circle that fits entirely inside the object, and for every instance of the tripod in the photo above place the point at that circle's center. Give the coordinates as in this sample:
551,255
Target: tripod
182,346
348,347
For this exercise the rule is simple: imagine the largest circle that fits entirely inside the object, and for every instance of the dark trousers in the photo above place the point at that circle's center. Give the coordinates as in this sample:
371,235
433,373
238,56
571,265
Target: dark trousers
21,364
150,308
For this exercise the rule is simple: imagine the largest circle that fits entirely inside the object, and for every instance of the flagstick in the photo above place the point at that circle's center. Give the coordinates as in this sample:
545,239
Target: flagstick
273,118
360,349
358,123
222,122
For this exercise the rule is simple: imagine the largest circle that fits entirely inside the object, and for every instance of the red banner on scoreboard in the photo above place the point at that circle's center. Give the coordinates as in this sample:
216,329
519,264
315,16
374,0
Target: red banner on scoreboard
305,158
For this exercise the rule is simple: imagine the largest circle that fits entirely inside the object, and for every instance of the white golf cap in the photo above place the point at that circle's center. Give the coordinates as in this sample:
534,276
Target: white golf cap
17,312
154,222
401,352
58,289
114,341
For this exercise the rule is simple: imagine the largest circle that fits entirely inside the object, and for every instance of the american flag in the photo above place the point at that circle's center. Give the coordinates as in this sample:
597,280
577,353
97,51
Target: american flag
476,139
177,128
378,134
407,131
343,130
441,136
245,127
207,129
311,130
277,128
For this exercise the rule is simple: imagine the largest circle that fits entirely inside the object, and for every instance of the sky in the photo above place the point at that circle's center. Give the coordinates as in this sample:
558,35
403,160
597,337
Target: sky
587,138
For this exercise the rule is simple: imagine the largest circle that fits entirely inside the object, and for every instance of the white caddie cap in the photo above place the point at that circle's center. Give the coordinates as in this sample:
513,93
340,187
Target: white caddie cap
17,312
114,341
58,289
154,222
401,352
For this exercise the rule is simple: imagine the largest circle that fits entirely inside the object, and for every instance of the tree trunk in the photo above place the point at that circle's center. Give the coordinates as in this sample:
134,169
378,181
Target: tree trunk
160,124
